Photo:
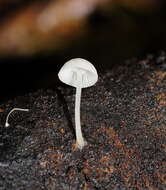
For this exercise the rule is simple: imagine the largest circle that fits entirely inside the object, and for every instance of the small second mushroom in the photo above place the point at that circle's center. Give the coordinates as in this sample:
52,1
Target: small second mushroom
14,109
78,73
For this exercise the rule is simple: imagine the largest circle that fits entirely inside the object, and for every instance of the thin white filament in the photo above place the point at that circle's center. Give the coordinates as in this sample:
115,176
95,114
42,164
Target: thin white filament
14,109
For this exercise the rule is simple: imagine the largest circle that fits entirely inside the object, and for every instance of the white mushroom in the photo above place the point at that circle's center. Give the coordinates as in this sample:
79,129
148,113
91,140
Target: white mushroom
78,73
14,109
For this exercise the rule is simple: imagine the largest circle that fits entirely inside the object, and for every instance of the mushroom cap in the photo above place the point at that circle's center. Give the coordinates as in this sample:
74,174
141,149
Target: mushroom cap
78,72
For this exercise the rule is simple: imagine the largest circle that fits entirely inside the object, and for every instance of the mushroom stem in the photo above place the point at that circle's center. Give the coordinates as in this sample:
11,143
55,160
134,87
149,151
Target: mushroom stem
14,109
79,138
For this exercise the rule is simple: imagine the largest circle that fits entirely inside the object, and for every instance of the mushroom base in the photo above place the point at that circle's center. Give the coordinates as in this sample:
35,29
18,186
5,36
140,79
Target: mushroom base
81,145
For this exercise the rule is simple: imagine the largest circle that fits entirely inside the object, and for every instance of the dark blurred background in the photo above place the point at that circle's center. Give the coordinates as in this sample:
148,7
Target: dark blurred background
37,37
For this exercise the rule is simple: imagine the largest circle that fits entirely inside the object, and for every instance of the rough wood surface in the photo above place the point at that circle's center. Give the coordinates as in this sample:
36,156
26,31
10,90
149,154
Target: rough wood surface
123,121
